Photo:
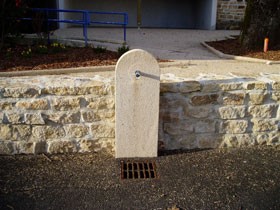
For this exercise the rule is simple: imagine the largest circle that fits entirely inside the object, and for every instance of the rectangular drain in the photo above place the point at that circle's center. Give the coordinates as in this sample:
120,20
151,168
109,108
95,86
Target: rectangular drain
138,170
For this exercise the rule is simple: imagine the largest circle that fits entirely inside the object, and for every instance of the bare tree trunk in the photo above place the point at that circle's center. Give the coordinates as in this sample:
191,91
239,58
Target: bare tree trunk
262,19
2,24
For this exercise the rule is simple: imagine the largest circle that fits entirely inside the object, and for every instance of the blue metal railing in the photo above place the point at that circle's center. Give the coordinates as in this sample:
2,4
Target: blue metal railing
85,21
123,23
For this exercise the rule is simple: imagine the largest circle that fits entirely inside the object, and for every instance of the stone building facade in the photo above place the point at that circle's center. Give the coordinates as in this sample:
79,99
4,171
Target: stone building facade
230,13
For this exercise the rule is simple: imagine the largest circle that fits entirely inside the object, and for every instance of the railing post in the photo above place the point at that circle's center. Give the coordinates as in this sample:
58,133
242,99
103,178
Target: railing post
85,25
48,30
124,26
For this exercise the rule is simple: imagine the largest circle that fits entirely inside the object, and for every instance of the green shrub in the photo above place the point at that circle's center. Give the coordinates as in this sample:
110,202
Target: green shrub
58,47
9,52
123,49
99,49
27,53
42,49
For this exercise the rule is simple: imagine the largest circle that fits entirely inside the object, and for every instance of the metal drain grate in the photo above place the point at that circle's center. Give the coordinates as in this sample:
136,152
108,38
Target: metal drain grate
138,170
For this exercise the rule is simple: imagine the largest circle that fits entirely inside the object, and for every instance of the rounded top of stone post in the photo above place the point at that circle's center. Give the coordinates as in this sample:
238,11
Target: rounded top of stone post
138,58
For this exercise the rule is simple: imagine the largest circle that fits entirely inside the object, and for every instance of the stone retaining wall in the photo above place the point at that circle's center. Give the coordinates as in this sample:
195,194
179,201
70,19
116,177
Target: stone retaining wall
56,115
219,112
230,14
61,114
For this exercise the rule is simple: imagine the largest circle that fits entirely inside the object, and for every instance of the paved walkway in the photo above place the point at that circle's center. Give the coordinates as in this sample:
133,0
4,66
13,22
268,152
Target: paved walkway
192,59
162,43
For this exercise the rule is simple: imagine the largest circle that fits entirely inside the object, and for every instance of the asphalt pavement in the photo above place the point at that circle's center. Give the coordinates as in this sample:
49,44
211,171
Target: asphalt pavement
245,178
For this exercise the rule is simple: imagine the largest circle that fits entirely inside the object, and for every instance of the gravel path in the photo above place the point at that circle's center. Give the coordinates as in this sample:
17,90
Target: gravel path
214,179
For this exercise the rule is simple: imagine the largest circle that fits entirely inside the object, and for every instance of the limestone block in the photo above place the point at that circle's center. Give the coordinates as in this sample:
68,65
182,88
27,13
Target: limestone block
77,131
21,132
1,117
210,87
60,91
234,126
172,101
40,147
262,125
185,142
38,133
34,119
33,104
257,98
105,144
6,148
274,138
90,116
170,116
14,118
205,126
189,86
62,117
110,89
6,105
256,85
232,112
1,92
88,145
234,98
238,140
101,103
92,87
168,86
103,130
94,116
25,147
276,96
263,111
21,92
231,86
179,128
199,100
41,133
57,147
199,111
65,104
53,132
5,132
207,141
175,86
263,139
97,88
106,115
276,85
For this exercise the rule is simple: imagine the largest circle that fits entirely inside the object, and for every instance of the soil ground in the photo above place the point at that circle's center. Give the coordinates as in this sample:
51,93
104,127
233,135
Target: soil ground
233,47
246,178
11,59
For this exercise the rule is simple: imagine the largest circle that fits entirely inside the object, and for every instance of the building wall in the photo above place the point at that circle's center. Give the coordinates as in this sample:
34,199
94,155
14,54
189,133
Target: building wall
186,14
230,13
62,114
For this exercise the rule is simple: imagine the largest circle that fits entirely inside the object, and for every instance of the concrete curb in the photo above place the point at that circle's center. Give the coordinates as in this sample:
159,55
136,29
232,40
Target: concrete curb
71,70
238,58
74,40
57,71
